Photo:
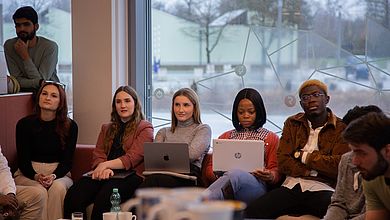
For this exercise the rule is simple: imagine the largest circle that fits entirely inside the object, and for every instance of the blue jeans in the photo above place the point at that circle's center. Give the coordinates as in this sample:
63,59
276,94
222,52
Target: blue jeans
246,187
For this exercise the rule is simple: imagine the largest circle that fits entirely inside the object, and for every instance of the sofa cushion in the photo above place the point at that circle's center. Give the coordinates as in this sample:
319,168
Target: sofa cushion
208,176
82,160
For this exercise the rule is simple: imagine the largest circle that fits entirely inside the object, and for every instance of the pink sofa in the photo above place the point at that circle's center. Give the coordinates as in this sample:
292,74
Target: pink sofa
82,160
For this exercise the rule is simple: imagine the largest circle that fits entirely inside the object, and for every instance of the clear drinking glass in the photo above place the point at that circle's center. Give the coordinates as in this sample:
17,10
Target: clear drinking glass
77,216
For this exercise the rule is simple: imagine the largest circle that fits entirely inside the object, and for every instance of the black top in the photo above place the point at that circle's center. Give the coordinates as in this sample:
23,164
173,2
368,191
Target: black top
116,147
37,141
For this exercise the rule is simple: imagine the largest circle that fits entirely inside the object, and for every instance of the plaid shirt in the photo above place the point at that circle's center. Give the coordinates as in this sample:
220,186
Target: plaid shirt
270,139
247,134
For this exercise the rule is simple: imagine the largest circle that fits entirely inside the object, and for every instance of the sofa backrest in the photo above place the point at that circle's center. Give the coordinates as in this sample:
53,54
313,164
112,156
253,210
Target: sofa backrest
13,108
82,160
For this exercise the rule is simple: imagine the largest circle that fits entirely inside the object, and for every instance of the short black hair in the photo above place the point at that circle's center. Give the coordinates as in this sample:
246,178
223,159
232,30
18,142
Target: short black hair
371,129
26,12
358,111
256,99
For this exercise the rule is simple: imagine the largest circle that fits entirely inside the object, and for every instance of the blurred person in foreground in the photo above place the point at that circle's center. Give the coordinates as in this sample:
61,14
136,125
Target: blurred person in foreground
17,202
348,199
369,139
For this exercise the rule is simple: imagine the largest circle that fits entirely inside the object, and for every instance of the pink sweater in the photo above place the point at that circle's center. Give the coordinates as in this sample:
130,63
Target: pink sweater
134,147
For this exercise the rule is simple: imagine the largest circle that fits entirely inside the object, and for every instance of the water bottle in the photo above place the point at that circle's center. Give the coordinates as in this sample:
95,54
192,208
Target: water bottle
115,200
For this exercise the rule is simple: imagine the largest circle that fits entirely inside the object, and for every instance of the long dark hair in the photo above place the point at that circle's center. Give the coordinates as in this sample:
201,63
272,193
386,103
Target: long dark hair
135,118
256,99
62,120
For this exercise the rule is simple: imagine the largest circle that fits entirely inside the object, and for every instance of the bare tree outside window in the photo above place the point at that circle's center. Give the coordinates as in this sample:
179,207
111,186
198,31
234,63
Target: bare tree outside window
273,46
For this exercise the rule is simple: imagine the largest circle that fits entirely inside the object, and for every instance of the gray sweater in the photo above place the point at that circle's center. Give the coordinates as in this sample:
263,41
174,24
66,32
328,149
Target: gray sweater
346,202
42,65
197,136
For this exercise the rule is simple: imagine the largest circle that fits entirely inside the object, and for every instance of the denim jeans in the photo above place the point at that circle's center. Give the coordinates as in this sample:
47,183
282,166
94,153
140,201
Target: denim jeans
246,187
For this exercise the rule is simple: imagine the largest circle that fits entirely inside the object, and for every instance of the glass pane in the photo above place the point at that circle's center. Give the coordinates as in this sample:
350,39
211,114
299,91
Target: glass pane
220,47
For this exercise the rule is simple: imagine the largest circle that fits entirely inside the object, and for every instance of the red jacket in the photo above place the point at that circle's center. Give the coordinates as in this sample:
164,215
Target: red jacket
134,147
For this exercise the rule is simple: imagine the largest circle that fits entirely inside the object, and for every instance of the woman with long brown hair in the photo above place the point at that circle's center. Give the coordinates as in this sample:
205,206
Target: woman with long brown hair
119,148
45,143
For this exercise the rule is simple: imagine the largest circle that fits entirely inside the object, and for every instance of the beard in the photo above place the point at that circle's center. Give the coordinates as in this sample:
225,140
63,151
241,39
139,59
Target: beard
25,36
379,169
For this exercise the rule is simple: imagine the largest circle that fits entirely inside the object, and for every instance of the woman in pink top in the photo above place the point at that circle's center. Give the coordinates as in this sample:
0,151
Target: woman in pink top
248,117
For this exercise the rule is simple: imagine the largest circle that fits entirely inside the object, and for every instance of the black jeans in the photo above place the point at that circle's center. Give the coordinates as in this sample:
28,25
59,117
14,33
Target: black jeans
166,181
285,201
87,191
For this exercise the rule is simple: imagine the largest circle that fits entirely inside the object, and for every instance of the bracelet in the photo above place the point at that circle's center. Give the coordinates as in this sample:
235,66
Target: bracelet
53,176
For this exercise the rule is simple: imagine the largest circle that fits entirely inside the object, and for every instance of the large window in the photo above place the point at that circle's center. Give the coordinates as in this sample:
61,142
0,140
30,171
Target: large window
54,20
220,47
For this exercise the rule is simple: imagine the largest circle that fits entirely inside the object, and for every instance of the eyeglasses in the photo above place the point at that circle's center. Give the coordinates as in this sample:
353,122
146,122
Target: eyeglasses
307,97
63,86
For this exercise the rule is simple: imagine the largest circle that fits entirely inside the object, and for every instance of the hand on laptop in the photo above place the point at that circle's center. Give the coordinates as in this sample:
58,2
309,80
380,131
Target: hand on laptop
263,174
104,174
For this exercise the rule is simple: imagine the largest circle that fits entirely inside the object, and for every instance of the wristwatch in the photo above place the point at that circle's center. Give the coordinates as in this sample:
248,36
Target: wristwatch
297,154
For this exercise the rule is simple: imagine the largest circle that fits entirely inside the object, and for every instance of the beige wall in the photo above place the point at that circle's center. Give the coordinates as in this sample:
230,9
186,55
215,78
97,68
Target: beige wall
92,66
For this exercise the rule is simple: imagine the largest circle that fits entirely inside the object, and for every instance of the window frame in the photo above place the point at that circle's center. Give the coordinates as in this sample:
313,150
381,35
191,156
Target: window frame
139,59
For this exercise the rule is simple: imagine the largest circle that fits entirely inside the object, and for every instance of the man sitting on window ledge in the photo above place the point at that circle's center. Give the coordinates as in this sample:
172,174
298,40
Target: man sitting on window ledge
30,59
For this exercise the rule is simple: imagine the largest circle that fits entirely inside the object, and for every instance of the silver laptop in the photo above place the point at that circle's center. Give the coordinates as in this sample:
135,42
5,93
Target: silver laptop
172,157
230,154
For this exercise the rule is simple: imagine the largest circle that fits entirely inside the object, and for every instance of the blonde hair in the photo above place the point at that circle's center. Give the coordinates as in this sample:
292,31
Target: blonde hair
193,97
313,82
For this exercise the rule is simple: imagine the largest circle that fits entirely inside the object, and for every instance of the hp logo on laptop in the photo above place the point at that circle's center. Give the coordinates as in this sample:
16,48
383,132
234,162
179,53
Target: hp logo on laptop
237,155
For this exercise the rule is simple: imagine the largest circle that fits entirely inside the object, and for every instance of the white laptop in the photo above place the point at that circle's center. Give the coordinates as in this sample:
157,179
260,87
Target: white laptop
170,157
230,154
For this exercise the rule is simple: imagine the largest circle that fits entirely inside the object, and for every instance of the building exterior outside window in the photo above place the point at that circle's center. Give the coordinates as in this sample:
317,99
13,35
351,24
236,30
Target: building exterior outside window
219,47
